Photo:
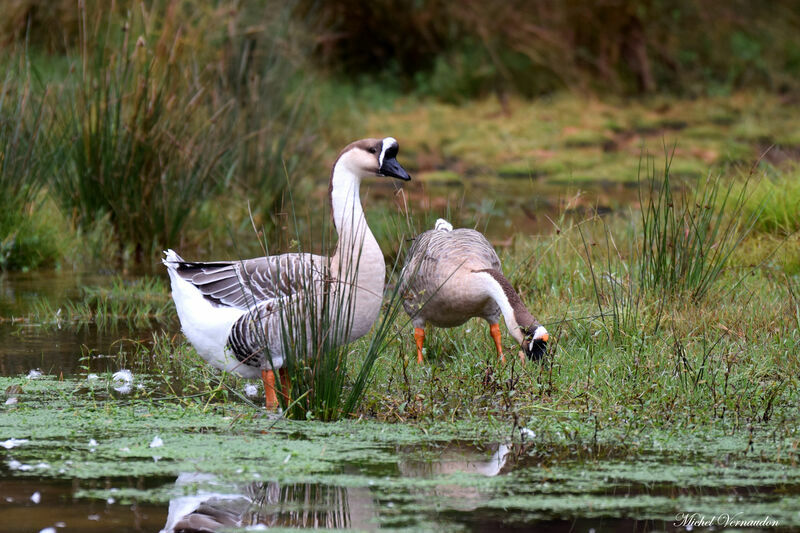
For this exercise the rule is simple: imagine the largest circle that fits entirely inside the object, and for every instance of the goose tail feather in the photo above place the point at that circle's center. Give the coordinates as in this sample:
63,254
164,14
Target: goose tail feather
171,259
442,224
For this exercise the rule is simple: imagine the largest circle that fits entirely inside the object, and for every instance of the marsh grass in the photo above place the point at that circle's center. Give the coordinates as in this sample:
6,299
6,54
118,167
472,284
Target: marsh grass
139,302
626,353
689,234
137,144
618,293
25,162
775,203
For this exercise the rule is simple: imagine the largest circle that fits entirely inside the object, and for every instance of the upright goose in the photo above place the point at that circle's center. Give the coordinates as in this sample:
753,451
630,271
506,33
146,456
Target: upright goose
451,276
232,310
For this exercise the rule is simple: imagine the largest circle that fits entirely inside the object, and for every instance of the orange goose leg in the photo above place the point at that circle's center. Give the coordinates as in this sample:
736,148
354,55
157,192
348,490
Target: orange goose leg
270,400
494,331
419,337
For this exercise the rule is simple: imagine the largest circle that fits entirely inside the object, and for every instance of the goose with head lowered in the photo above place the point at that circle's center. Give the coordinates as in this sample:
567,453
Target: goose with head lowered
235,313
451,276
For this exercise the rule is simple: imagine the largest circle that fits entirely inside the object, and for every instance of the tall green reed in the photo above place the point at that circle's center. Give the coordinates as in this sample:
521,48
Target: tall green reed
617,292
139,145
689,235
24,163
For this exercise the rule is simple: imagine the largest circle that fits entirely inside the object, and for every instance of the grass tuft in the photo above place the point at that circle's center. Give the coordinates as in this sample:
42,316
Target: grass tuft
138,302
138,145
24,164
689,234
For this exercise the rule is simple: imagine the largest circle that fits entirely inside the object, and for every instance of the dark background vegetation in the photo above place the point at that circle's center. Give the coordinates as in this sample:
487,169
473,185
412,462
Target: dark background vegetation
124,120
464,49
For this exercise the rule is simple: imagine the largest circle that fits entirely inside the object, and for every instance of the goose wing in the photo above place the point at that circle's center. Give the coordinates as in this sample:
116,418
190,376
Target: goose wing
474,247
443,252
250,282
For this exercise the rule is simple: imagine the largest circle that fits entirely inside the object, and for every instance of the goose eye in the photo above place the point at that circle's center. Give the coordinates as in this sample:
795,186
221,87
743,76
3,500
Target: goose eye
372,150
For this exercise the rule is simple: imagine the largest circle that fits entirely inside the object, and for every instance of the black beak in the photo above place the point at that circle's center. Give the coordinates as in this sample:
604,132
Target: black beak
392,168
537,350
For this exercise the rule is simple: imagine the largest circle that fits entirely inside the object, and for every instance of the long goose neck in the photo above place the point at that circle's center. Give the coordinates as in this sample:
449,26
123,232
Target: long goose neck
348,217
518,318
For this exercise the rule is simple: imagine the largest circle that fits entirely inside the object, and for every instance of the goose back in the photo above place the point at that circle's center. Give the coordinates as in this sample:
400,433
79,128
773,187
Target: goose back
437,283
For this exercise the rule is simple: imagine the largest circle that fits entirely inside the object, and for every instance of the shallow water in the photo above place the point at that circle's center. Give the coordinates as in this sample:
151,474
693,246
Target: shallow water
88,460
59,507
448,486
56,348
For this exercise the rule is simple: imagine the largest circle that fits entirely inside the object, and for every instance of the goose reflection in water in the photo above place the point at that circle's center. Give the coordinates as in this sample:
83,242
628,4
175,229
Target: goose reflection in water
456,458
219,506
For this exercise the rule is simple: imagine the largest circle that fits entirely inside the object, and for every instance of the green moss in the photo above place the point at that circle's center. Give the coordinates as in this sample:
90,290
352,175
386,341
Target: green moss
415,473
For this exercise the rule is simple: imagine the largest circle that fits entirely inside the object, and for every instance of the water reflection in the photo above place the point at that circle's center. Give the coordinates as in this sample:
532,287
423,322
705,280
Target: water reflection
217,506
454,457
214,505
55,348
34,504
54,351
444,461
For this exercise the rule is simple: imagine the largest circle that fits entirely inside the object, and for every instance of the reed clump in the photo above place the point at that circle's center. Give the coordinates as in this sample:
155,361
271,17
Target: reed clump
138,145
153,122
25,163
689,233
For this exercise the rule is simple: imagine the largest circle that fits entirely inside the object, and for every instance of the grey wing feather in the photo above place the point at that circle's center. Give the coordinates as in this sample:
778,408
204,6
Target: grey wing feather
261,330
245,284
250,335
435,253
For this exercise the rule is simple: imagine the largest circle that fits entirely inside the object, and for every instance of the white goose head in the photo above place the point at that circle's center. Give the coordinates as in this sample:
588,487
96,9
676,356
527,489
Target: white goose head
372,157
535,343
360,159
